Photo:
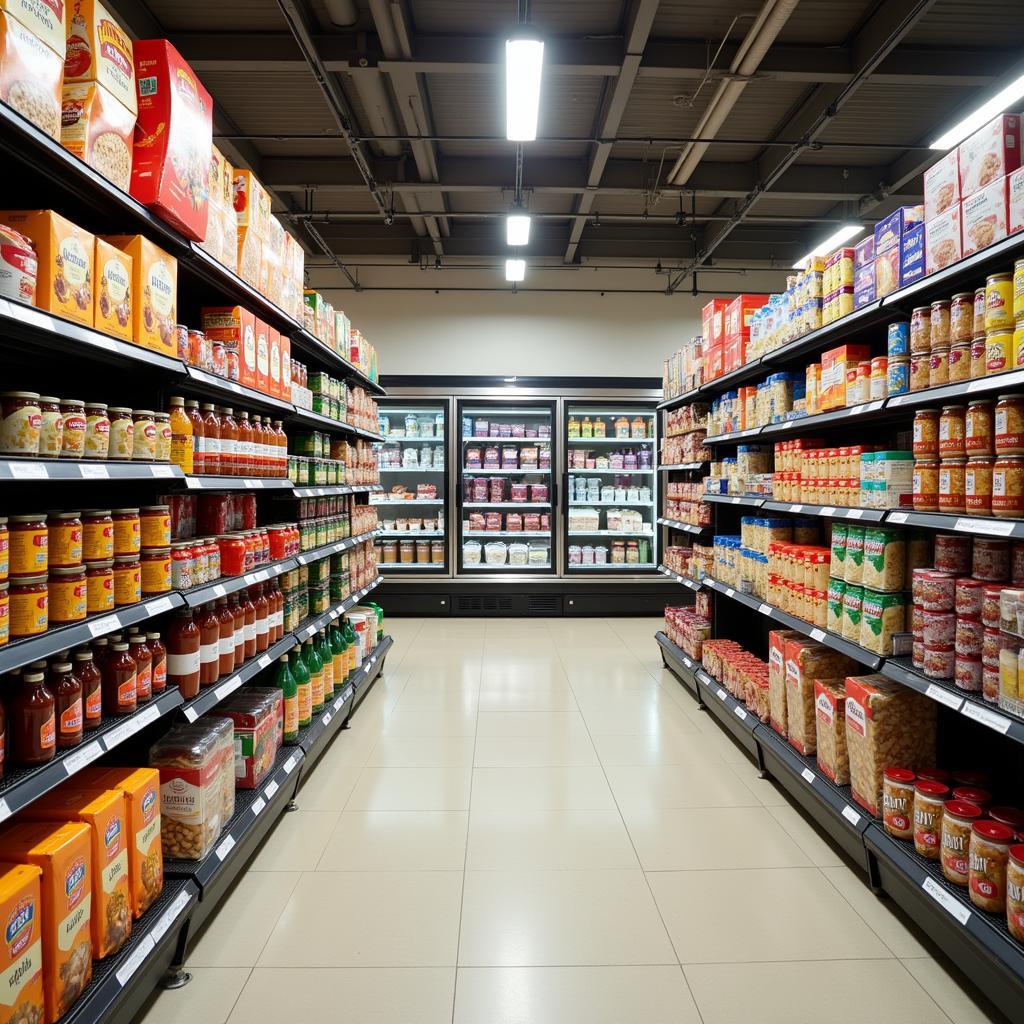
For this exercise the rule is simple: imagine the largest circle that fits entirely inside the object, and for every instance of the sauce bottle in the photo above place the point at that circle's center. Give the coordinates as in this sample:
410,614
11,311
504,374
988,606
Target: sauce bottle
119,681
208,622
262,606
225,638
198,437
249,621
211,435
183,654
315,667
282,448
259,448
181,436
238,612
285,682
31,721
338,660
323,646
245,457
228,443
139,650
303,686
158,668
91,681
67,696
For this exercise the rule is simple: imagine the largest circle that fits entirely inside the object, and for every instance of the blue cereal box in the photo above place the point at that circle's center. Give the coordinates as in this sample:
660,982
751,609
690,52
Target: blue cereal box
912,255
890,231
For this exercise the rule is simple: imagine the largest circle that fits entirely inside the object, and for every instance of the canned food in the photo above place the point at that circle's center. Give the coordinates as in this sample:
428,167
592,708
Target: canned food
899,340
998,351
898,376
999,302
29,606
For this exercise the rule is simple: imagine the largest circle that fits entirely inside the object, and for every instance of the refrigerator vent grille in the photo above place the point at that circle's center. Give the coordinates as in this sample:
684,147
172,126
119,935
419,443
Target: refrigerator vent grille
544,604
493,604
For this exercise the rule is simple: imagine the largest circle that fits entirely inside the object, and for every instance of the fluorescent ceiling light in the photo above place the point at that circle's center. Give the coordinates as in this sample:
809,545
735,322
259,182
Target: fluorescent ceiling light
515,270
844,234
524,59
981,117
517,229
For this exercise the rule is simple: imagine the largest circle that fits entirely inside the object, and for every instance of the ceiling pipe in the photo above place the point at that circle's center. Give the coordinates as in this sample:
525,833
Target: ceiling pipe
769,22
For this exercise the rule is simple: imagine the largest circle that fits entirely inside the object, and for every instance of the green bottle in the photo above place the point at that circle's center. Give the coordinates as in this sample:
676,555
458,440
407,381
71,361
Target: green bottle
303,686
350,636
338,658
323,646
379,612
315,668
285,682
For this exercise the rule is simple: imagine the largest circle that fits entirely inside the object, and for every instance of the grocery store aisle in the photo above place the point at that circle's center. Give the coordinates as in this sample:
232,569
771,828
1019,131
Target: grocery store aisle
531,822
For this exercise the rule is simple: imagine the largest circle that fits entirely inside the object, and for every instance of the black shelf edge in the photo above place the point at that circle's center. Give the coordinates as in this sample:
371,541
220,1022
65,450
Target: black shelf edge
669,468
986,526
316,554
305,631
305,341
331,489
866,515
685,527
122,983
231,584
20,652
221,387
685,580
237,483
738,376
822,337
317,735
734,499
84,470
683,399
315,419
680,664
823,636
734,437
979,387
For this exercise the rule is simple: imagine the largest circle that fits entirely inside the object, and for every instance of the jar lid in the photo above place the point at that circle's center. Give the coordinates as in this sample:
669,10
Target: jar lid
104,563
970,778
973,795
30,517
28,581
930,787
121,559
1017,854
121,409
126,512
96,405
61,666
120,647
899,775
143,412
19,394
161,415
67,570
993,831
152,636
156,552
32,677
1008,398
49,399
82,656
72,401
1012,816
63,515
962,809
156,508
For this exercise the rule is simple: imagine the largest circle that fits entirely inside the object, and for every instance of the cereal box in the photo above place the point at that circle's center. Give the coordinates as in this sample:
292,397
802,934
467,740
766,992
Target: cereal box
65,253
250,255
942,244
984,216
942,185
863,253
262,357
834,364
864,285
890,230
45,19
990,153
154,290
140,788
62,855
104,812
98,129
21,956
887,272
274,371
286,367
236,327
712,320
739,313
251,202
912,255
173,138
30,74
1015,190
99,50
112,313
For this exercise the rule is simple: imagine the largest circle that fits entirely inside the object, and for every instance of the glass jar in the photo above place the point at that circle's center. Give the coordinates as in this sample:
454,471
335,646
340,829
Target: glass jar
999,301
51,427
198,437
143,435
127,539
156,571
1015,892
158,668
97,536
958,816
5,549
959,363
926,433
68,595
31,722
208,622
120,695
20,422
122,434
181,436
91,681
898,802
183,659
99,587
978,357
162,425
67,697
961,318
1008,487
72,438
952,485
5,613
139,649
938,367
29,545
182,565
939,325
211,436
979,428
920,330
64,539
1008,436
127,580
926,485
155,521
988,856
952,432
929,797
998,351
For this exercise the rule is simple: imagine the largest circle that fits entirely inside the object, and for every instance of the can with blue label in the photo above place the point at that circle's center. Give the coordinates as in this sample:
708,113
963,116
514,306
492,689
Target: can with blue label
898,376
899,340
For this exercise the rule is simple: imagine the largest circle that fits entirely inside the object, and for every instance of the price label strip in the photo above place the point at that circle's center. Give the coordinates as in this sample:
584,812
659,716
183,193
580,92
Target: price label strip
169,916
132,964
943,696
257,805
80,758
225,847
946,900
851,815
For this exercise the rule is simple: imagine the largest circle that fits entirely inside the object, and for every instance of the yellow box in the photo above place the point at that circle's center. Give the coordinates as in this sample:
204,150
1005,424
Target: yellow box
251,202
154,293
21,957
99,50
46,21
98,129
66,256
113,311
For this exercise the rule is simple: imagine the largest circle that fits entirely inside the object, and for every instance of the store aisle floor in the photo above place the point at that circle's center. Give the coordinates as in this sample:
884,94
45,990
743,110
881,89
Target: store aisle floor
531,822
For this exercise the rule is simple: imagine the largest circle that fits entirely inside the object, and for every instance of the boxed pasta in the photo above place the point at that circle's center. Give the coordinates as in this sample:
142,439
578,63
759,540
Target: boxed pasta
777,677
942,241
830,729
154,291
31,72
104,812
21,956
886,724
99,50
805,662
990,153
62,855
942,185
985,216
112,312
884,558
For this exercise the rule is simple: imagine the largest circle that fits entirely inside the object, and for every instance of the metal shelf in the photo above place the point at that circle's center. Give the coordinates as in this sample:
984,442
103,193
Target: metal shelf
415,471
610,440
305,631
331,489
613,472
511,440
237,483
528,505
669,468
315,419
685,527
686,581
305,341
410,534
733,499
530,471
503,567
976,525
64,470
611,533
611,504
221,387
408,501
394,439
612,566
868,515
535,534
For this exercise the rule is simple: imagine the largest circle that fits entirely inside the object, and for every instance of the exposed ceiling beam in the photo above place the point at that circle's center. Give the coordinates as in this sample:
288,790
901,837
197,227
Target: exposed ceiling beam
641,18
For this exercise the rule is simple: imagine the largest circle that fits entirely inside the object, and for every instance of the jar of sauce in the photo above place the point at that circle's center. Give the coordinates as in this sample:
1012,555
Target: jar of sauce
67,697
1009,425
262,606
249,624
238,612
97,536
920,332
952,485
139,650
952,432
959,363
122,434
1008,487
961,318
926,485
20,422
72,439
120,696
999,302
200,564
64,539
245,462
156,526
51,427
144,435
978,357
162,426
182,563
998,351
183,658
97,431
979,428
127,580
182,451
31,721
225,638
208,622
926,433
156,571
158,669
212,558
978,484
939,325
29,545
211,433
127,540
91,681
99,587
938,367
5,549
232,554
198,437
68,595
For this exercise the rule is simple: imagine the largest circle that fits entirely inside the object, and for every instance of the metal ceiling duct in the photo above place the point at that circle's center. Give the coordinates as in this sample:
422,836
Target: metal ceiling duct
342,12
755,45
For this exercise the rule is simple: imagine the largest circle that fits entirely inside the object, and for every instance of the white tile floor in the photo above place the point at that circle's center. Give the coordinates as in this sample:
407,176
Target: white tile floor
531,823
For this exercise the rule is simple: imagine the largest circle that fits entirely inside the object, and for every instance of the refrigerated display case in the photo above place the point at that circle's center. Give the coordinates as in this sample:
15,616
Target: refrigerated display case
506,497
413,504
610,487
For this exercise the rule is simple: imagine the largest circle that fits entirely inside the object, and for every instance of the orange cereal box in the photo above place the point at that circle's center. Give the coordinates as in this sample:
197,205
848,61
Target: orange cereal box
99,50
66,255
113,312
103,810
98,129
30,72
21,957
140,788
62,854
154,292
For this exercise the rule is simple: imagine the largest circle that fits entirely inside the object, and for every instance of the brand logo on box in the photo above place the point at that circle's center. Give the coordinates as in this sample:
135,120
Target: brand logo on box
74,881
19,926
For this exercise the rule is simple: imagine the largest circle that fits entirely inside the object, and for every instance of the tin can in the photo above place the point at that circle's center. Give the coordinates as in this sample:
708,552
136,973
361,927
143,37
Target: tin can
879,378
898,376
999,302
899,340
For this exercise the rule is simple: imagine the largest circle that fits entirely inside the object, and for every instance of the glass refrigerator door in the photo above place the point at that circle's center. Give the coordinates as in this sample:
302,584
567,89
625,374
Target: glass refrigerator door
611,486
506,489
414,478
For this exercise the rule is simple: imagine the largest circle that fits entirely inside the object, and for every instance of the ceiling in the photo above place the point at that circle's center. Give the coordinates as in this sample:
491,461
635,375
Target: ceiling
378,125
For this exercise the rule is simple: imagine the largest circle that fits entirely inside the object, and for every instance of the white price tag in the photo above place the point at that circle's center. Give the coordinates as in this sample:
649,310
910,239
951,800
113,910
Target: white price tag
851,815
808,776
264,661
35,470
257,805
720,693
797,508
272,788
327,718
94,472
105,625
854,513
1000,723
897,517
219,591
729,592
818,634
289,765
250,578
5,810
978,385
740,713
169,916
764,609
132,964
81,757
946,900
944,696
162,471
828,510
191,714
687,662
899,399
989,526
161,604
229,687
225,847
347,693
735,501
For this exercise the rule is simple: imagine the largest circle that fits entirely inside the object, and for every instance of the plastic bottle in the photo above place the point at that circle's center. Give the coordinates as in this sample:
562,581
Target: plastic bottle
225,638
327,660
303,685
67,694
181,436
262,606
198,437
339,662
249,627
316,674
285,682
208,622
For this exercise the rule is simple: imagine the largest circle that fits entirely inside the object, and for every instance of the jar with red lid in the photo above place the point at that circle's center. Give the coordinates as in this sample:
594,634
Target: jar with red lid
264,539
120,695
232,554
139,649
215,513
155,526
969,777
929,797
127,540
973,795
958,817
68,595
209,645
225,638
127,580
183,657
64,539
91,681
156,571
159,667
245,508
277,537
898,802
31,720
182,565
67,697
988,857
252,546
29,545
212,551
29,606
1012,816
97,535
952,432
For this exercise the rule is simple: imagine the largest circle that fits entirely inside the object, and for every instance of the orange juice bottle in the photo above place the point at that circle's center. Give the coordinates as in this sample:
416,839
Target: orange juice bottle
181,436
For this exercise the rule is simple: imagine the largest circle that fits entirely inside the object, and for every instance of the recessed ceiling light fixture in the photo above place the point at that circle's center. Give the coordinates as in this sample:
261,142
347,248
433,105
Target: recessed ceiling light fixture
517,227
844,234
515,270
524,61
985,113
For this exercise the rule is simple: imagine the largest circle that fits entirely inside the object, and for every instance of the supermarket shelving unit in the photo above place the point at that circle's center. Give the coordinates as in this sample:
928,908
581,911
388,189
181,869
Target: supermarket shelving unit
71,359
978,942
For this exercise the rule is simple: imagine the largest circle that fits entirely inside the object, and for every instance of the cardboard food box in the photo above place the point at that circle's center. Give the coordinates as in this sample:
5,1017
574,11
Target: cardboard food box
739,313
864,285
250,255
712,320
984,217
173,138
286,368
235,326
863,253
45,19
887,272
63,856
140,788
942,243
251,202
112,312
98,129
1015,191
834,364
31,73
715,361
104,812
912,255
154,293
274,362
890,230
262,357
21,957
942,185
990,153
65,252
99,50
